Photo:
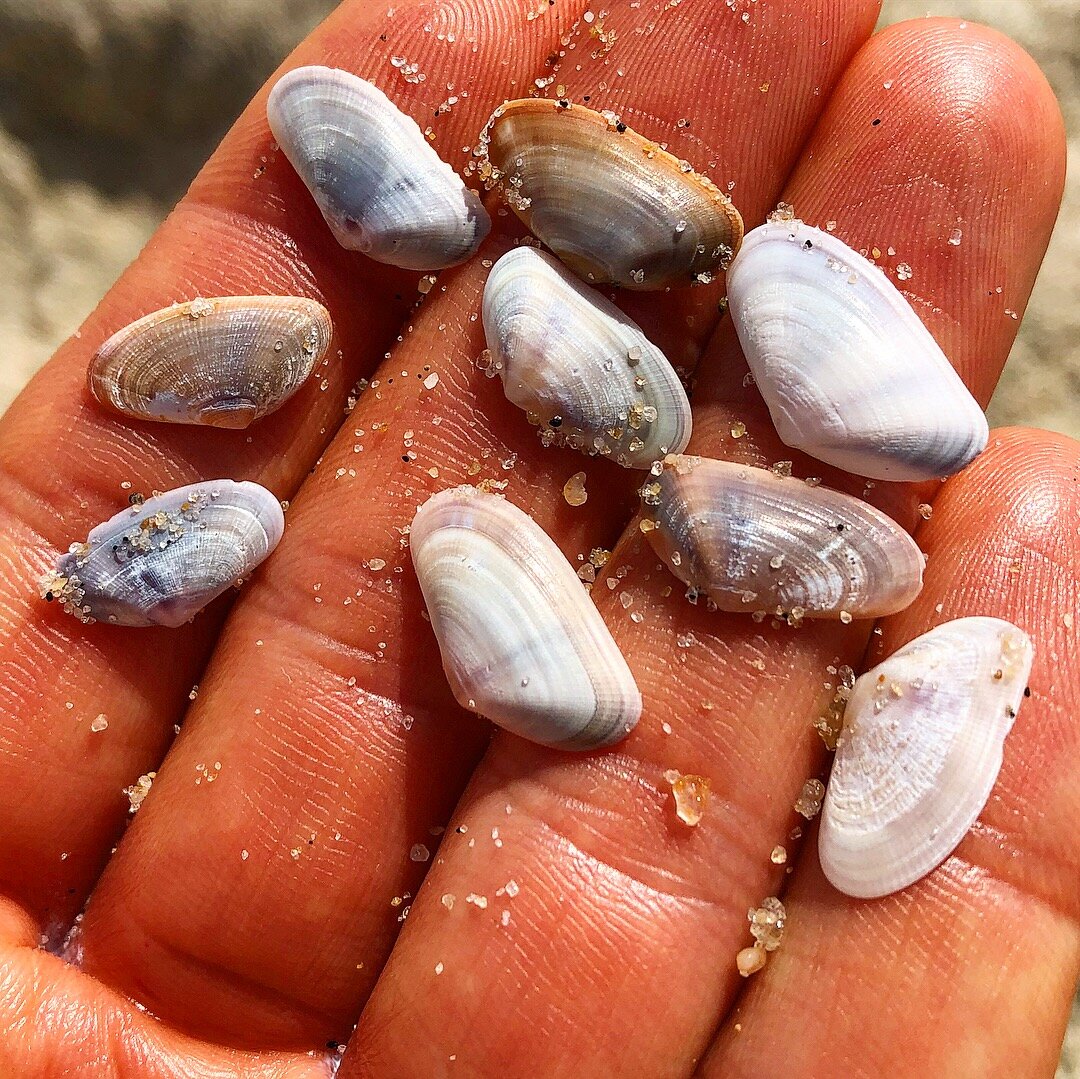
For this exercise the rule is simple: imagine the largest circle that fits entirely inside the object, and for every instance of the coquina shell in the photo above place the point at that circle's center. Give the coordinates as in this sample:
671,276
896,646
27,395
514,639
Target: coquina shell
751,540
225,362
582,369
161,562
381,187
849,372
920,752
521,641
615,207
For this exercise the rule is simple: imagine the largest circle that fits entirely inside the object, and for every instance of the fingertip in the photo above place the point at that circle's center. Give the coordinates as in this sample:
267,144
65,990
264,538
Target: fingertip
941,156
1014,436
977,73
1022,492
17,928
999,536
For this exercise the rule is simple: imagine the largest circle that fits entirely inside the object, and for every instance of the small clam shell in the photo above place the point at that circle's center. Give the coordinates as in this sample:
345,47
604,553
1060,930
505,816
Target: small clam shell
225,362
612,205
576,363
849,372
521,641
381,187
920,751
751,540
161,562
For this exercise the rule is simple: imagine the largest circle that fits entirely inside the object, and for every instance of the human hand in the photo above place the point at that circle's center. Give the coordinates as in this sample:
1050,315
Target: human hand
253,905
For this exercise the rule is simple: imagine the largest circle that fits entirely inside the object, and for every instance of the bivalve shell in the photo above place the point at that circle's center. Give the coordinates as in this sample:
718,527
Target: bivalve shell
848,370
751,540
521,641
160,562
225,362
615,207
381,187
920,752
580,368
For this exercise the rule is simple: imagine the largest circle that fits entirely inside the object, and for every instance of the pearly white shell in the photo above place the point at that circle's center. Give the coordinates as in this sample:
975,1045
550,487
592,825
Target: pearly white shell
161,562
381,187
920,751
578,365
521,641
751,540
224,362
849,372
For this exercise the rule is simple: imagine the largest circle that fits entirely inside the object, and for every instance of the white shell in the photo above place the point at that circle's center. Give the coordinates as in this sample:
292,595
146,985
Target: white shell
381,187
161,562
521,641
919,753
751,540
582,369
224,362
849,372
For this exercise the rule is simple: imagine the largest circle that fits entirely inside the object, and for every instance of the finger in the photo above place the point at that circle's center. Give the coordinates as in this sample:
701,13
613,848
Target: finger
617,940
55,1021
972,969
344,718
247,226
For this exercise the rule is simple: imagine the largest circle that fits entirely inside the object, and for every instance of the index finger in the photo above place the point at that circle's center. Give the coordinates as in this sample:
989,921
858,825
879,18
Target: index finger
247,226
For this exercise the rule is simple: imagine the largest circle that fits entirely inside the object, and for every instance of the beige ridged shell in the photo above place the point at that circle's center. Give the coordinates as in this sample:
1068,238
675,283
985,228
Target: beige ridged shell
521,641
920,752
582,369
615,207
751,540
378,182
224,362
849,372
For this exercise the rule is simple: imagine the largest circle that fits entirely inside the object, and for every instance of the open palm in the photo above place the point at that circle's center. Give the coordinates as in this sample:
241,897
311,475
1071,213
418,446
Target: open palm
568,923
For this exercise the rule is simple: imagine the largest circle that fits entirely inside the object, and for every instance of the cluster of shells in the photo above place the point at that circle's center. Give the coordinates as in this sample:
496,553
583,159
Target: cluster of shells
848,371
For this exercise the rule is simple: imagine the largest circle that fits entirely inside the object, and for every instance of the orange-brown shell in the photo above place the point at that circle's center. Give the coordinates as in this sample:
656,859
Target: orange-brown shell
614,206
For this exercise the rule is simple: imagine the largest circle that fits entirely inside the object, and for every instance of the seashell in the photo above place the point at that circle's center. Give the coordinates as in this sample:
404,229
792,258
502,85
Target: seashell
920,751
612,205
849,372
381,187
521,641
751,540
578,365
224,362
160,562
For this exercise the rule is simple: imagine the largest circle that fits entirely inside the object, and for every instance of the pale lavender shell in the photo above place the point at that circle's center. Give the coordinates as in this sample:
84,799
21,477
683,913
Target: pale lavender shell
381,187
161,562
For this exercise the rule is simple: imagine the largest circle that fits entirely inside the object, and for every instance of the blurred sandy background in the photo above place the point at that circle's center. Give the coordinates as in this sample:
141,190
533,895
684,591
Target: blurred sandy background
108,107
